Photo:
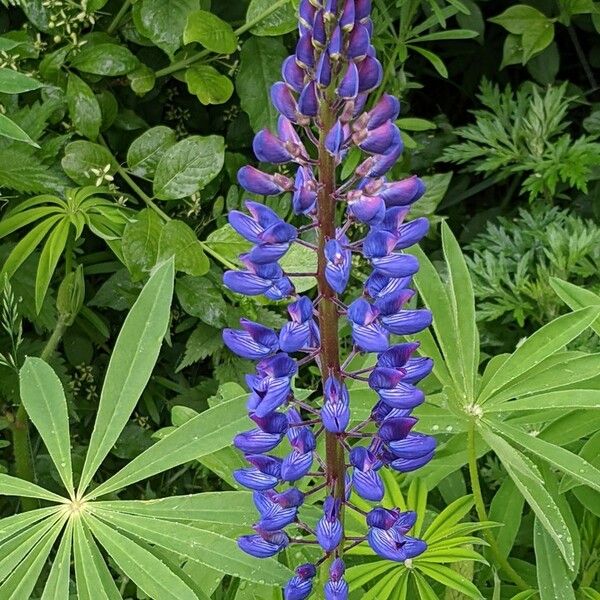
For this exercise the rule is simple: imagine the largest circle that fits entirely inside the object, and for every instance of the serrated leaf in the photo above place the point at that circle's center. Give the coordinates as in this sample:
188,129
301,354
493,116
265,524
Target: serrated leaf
204,341
188,166
209,30
145,151
43,397
130,366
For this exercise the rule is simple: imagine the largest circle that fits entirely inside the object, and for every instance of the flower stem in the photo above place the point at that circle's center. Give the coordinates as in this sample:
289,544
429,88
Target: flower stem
500,559
20,427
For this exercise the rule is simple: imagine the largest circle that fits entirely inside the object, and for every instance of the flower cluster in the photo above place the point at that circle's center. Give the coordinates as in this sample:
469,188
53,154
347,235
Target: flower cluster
322,101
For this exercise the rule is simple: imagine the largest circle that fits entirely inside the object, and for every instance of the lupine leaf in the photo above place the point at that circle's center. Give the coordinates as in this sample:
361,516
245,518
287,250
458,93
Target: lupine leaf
13,486
425,590
553,578
44,399
576,297
130,367
359,575
564,399
544,342
57,584
146,571
507,508
448,517
206,547
451,579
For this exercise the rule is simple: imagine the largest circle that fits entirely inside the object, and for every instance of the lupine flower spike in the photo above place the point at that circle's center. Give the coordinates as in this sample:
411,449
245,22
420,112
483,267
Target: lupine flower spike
322,100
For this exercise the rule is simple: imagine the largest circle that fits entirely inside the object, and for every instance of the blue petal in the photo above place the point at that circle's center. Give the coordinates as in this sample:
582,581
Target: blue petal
396,265
407,322
253,479
255,545
293,74
387,109
358,42
335,416
368,485
296,465
256,441
370,338
244,282
348,88
246,226
415,445
407,465
284,101
329,534
417,369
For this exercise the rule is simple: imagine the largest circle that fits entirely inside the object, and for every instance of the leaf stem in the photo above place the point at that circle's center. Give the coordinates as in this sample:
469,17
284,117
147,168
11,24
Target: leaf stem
117,20
190,60
500,559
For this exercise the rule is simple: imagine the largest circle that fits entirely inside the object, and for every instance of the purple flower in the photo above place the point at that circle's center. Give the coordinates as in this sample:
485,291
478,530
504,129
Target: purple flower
302,332
329,528
300,586
336,407
336,588
257,182
337,269
253,341
365,478
265,544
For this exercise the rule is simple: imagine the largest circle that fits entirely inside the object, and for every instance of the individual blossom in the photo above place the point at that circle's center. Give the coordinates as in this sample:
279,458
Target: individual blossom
344,215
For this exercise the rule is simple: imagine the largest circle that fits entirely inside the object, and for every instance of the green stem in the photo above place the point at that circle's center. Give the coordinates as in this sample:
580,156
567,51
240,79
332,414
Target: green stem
117,20
190,60
23,454
500,559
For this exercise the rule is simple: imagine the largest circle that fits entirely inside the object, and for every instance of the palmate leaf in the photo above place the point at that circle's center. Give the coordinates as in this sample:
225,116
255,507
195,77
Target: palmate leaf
564,399
143,568
43,397
130,367
205,547
576,297
543,343
57,584
451,579
12,486
15,523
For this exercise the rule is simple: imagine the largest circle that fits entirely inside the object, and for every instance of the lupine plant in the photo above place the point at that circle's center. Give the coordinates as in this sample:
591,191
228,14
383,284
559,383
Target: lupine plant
321,102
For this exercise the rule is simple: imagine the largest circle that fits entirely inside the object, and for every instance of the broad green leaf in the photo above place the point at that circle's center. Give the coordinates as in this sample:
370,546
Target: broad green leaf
462,299
14,82
90,583
206,547
564,460
223,508
535,493
576,297
283,20
188,166
142,79
105,59
83,107
557,371
552,576
43,397
300,259
260,61
9,526
12,486
179,240
49,257
544,342
145,151
436,186
507,508
200,297
163,22
130,366
57,584
81,157
519,19
209,30
140,243
11,130
563,399
210,86
452,579
22,580
146,571
208,432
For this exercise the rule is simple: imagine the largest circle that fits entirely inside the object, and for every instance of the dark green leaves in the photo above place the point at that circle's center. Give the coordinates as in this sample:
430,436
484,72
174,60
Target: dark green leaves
83,107
208,84
188,166
13,82
210,31
277,22
105,59
146,151
259,68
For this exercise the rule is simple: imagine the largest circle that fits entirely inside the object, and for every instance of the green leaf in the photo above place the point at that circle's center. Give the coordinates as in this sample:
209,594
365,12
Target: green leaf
188,166
130,366
57,584
564,399
552,576
140,243
81,157
202,546
507,508
520,19
558,457
300,259
260,61
11,130
451,579
179,240
544,342
83,107
203,342
222,508
425,590
460,293
209,30
43,397
14,82
434,59
210,86
449,517
200,297
146,150
204,434
143,568
163,22
105,59
9,526
142,79
281,21
49,257
535,493
576,297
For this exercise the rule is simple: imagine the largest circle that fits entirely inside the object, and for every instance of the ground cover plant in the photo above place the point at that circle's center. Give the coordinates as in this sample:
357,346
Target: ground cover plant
228,371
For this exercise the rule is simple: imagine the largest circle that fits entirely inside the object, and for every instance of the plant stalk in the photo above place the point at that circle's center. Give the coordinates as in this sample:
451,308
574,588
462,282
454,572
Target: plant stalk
23,453
500,559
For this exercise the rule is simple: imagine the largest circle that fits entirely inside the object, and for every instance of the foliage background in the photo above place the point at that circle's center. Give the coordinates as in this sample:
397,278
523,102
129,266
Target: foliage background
127,121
